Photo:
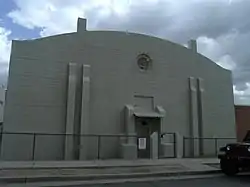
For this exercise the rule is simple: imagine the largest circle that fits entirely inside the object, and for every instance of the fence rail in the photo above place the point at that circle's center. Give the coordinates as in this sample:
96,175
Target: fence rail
52,146
204,147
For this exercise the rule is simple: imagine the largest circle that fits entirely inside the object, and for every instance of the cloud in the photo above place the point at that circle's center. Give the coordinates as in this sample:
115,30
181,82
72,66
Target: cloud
5,44
58,16
221,27
214,49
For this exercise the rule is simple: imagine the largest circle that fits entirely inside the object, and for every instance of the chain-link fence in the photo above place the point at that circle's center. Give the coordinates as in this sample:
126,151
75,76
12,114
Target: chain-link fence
204,147
50,146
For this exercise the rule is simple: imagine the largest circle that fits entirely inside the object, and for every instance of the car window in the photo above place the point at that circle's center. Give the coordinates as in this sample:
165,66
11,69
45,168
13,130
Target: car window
247,137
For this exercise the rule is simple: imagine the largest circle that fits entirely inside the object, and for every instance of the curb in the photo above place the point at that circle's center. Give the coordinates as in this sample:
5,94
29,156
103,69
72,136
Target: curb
79,166
37,167
65,178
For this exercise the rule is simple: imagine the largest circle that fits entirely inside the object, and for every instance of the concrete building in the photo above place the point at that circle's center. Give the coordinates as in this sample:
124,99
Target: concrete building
109,82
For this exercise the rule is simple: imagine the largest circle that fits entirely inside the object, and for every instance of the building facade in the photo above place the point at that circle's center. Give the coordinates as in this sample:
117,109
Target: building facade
242,118
110,82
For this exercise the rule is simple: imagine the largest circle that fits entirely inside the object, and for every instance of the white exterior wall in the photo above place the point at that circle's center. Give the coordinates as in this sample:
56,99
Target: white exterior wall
37,89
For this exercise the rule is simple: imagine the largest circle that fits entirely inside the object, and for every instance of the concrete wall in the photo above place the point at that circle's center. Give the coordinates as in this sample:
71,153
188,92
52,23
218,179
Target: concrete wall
38,83
36,95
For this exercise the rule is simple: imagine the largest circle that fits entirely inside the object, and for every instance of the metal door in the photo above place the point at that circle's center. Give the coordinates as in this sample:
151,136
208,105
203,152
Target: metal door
143,137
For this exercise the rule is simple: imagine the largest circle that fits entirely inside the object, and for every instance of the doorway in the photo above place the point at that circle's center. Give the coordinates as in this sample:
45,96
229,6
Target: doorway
145,127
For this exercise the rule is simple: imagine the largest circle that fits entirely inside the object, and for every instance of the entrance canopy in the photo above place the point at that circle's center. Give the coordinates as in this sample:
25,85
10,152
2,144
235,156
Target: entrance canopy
159,112
148,114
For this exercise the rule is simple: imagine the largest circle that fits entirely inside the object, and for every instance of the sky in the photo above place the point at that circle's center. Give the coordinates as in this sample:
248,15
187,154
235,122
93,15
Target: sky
221,27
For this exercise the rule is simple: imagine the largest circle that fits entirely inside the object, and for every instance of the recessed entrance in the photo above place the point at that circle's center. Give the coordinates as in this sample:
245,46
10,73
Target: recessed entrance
145,127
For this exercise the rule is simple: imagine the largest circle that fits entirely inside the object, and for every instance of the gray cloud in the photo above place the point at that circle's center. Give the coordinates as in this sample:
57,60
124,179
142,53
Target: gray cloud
180,20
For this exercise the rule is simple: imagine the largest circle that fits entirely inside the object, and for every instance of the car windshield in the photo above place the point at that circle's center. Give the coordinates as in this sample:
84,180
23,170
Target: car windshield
247,137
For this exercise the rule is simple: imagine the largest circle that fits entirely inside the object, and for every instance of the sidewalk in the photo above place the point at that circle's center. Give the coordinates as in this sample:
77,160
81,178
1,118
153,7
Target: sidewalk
100,170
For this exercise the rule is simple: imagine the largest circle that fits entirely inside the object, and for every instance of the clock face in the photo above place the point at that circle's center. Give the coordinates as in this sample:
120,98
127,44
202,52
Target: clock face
143,61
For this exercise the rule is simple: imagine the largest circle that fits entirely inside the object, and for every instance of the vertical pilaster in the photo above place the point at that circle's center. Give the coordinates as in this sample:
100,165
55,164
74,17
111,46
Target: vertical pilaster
194,143
201,90
70,114
130,123
154,145
85,111
129,149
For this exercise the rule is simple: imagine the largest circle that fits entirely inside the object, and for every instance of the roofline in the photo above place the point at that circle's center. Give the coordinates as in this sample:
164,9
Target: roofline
243,106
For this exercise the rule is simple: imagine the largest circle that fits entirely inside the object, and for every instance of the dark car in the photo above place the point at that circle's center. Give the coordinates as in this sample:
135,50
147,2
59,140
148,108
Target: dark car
235,157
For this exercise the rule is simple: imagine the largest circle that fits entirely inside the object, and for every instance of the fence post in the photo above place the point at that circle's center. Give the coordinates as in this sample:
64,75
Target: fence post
174,134
216,146
34,146
184,149
1,143
99,145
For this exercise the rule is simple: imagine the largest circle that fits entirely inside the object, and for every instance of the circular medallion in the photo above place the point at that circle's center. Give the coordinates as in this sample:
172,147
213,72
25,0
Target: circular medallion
144,61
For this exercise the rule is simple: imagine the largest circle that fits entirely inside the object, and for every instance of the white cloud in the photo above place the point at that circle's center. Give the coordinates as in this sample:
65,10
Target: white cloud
46,15
55,16
214,49
5,46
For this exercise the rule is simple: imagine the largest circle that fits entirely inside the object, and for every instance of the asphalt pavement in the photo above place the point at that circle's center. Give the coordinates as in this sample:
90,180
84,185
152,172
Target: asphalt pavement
212,180
221,181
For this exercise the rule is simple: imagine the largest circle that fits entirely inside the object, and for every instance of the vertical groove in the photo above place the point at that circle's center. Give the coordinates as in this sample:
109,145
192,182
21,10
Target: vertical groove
77,121
84,111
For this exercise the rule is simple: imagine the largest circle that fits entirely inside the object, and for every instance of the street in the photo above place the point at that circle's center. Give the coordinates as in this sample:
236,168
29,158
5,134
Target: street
222,181
182,181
